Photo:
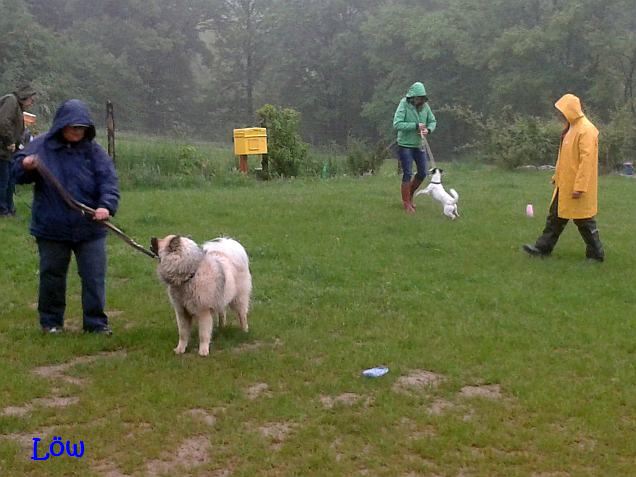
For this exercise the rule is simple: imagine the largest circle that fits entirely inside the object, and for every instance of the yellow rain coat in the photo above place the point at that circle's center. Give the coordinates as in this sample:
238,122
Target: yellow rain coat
577,164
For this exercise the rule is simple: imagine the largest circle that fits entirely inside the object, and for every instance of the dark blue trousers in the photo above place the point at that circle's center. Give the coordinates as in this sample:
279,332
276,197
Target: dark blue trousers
409,155
7,187
55,258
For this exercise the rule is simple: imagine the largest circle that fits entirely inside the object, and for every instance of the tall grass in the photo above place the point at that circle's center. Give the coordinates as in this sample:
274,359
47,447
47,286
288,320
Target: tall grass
172,162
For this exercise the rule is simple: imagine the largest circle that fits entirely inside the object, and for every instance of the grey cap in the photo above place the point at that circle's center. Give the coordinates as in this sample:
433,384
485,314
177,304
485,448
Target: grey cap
25,91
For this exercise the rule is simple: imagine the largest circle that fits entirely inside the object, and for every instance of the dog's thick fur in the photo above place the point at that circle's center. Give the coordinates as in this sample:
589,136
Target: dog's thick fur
436,190
202,282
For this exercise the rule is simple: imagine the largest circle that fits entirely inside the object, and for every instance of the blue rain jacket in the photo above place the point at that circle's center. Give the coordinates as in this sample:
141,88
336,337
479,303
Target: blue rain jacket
84,169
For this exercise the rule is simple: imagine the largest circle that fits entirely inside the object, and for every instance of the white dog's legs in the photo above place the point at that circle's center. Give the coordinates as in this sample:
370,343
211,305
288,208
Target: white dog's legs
241,306
184,323
205,332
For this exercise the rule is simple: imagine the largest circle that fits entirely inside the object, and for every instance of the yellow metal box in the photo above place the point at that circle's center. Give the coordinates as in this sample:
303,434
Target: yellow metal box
250,141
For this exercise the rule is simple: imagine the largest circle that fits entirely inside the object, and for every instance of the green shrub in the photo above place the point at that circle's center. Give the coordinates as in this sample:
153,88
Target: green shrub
286,149
191,162
617,141
522,141
362,158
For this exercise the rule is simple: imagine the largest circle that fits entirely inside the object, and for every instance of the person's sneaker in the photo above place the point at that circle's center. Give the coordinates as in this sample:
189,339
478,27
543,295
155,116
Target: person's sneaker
53,330
101,331
534,251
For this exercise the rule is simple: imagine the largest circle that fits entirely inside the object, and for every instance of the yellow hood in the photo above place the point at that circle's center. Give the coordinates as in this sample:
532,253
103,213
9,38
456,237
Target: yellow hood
570,106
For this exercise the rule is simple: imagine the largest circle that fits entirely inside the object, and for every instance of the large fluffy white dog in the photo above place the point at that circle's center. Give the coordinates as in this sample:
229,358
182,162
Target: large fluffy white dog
436,190
202,282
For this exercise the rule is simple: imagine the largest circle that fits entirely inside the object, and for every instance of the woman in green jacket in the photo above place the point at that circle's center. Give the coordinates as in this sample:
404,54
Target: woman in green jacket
413,119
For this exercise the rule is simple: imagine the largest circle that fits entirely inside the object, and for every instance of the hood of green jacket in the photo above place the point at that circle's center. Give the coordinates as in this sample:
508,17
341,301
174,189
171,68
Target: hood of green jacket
416,89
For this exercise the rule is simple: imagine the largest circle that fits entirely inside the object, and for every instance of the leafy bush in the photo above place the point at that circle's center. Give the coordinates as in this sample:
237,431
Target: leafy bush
522,141
362,158
286,149
191,162
617,142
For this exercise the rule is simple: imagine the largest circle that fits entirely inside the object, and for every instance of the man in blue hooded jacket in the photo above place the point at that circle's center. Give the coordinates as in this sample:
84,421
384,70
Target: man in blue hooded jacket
87,173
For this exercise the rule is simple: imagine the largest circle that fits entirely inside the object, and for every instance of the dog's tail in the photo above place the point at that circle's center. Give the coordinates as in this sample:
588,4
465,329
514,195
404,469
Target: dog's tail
455,195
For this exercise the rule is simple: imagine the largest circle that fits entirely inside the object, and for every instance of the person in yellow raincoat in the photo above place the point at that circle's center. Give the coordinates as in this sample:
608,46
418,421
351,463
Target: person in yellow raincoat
575,184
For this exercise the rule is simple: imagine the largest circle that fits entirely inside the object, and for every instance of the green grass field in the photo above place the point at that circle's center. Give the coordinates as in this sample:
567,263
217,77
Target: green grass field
500,365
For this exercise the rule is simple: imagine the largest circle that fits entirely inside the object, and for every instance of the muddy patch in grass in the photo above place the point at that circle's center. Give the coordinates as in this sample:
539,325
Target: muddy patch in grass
418,380
256,345
277,433
58,371
440,406
487,391
257,390
53,401
202,415
192,452
346,399
108,469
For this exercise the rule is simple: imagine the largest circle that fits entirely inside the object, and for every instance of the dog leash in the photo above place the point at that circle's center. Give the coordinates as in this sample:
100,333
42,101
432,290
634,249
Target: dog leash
427,148
86,210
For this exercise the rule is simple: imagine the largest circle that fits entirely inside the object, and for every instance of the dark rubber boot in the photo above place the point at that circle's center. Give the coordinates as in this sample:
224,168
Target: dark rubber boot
593,246
415,183
406,198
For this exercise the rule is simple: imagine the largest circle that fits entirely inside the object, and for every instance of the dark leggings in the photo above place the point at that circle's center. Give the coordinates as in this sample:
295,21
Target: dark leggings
408,155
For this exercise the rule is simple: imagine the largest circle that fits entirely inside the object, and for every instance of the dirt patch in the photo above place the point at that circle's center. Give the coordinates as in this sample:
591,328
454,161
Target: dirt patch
255,345
57,371
276,432
551,474
114,313
346,399
16,411
257,390
56,401
108,469
488,391
417,380
24,440
440,406
585,444
202,415
192,453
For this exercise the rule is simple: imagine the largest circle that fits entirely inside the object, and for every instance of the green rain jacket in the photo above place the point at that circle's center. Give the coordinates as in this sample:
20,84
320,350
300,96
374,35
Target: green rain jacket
407,117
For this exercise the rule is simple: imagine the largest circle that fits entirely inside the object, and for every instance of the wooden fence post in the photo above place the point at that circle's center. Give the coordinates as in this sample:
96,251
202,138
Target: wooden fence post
110,127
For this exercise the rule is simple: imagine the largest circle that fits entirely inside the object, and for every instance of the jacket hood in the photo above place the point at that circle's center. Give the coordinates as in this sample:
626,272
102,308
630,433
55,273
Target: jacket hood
73,112
570,106
416,89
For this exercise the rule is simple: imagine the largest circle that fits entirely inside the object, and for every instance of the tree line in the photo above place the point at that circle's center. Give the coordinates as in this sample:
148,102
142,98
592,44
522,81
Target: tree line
202,67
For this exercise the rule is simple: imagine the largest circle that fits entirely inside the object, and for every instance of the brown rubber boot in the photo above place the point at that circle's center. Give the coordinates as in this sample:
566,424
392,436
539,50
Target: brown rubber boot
406,198
415,183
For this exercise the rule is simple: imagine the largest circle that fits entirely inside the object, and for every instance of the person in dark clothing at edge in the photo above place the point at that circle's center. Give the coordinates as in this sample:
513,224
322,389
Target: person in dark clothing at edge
86,171
413,119
11,130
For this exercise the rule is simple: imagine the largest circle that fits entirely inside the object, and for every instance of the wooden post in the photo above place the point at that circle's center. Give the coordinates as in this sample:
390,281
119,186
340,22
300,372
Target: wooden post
110,127
265,165
243,164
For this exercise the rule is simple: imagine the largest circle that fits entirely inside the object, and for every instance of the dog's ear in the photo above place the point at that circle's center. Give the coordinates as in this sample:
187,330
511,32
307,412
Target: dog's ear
175,244
441,171
432,170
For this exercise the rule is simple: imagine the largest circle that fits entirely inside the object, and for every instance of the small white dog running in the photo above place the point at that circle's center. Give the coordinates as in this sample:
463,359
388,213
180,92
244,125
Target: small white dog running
436,190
